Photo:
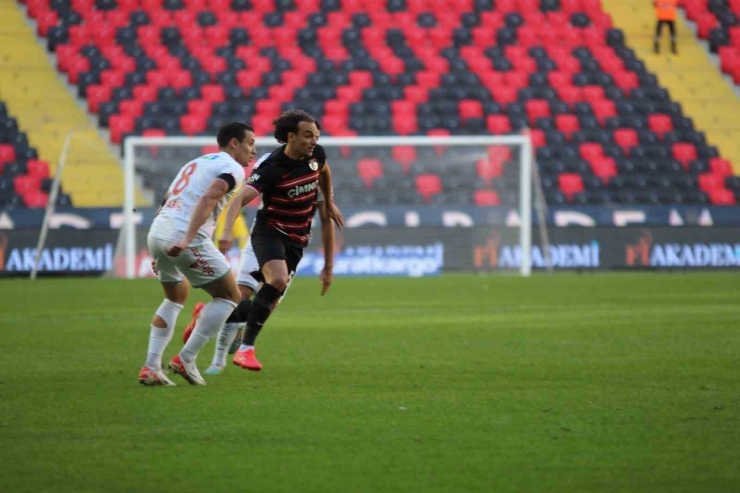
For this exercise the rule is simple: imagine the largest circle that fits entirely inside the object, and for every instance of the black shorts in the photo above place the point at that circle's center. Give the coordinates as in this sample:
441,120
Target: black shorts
268,247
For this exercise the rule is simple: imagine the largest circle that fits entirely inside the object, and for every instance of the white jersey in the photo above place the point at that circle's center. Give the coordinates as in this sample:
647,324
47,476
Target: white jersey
191,183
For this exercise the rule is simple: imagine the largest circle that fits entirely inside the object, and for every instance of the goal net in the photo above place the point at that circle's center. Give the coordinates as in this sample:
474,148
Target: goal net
413,205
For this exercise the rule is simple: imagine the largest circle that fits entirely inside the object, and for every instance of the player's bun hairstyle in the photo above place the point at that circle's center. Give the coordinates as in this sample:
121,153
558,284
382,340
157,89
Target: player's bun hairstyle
232,130
288,122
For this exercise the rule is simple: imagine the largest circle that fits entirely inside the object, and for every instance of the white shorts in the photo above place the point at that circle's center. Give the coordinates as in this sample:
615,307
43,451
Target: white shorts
248,265
201,263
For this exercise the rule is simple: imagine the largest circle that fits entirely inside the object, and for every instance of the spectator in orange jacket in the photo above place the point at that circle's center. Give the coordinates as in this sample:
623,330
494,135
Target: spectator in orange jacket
666,13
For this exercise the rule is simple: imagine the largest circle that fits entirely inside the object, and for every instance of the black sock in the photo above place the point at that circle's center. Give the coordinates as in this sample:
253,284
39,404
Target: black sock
240,313
261,309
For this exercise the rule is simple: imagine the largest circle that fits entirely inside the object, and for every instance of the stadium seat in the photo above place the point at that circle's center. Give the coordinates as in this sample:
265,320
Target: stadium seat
369,170
428,185
462,67
570,183
486,198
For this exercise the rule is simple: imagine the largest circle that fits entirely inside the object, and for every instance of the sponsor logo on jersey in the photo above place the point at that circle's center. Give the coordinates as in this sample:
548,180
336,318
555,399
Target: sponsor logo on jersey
301,189
253,178
313,164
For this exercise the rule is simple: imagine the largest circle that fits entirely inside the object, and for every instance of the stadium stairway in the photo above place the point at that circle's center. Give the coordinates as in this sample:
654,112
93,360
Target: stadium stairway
690,77
46,111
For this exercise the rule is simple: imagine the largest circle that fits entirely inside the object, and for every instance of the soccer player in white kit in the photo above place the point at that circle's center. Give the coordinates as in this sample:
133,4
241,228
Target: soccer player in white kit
184,254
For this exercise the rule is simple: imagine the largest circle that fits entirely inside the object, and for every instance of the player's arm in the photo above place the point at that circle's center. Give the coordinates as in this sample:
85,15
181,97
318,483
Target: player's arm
203,210
327,189
245,196
327,239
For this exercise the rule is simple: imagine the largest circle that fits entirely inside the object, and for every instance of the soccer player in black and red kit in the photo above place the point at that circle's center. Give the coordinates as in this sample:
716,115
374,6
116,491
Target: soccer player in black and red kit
288,180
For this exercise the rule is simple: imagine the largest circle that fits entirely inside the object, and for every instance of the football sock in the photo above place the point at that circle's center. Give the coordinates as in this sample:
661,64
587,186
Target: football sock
211,319
261,309
240,313
244,347
223,342
160,337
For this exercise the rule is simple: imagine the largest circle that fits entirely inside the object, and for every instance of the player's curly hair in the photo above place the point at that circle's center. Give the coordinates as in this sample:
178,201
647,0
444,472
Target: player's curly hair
288,122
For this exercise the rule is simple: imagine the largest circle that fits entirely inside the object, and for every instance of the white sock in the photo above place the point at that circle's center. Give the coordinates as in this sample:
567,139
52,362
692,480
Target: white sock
223,342
211,319
160,337
244,347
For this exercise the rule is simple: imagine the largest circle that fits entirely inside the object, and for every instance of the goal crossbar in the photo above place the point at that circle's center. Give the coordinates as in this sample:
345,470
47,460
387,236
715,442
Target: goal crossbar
525,181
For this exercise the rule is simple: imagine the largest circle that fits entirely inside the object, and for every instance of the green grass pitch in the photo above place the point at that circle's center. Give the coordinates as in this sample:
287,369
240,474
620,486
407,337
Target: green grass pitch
563,383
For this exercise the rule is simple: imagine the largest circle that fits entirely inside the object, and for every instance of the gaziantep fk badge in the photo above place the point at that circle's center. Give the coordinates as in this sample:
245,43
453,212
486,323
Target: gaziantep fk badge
313,164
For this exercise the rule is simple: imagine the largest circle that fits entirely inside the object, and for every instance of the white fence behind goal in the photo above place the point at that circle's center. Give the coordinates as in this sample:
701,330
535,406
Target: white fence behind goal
499,167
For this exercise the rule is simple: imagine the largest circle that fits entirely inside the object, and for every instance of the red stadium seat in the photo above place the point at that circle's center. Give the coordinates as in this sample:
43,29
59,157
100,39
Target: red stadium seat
567,124
498,124
145,93
570,95
660,124
591,151
709,182
604,109
26,183
118,125
721,167
369,170
626,138
112,78
35,199
684,152
404,155
428,185
97,94
570,184
470,109
538,138
489,169
486,198
361,79
593,93
729,58
416,94
626,80
199,107
506,94
7,153
38,168
722,196
337,108
45,21
213,93
604,168
350,94
192,124
405,125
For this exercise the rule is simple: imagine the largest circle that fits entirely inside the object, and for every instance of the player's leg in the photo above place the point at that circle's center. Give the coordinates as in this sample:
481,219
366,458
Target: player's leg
230,335
271,253
209,270
672,29
162,327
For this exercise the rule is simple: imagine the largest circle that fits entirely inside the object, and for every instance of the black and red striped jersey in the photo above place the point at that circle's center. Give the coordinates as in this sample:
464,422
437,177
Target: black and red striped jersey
288,189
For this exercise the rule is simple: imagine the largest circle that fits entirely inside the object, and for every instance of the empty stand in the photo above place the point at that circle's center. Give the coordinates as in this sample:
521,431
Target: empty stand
403,67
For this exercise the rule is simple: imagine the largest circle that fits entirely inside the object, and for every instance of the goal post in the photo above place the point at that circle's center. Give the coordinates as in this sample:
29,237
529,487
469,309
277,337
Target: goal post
154,161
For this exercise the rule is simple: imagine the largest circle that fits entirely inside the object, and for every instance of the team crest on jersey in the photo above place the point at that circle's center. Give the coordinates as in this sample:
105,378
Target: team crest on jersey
313,164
